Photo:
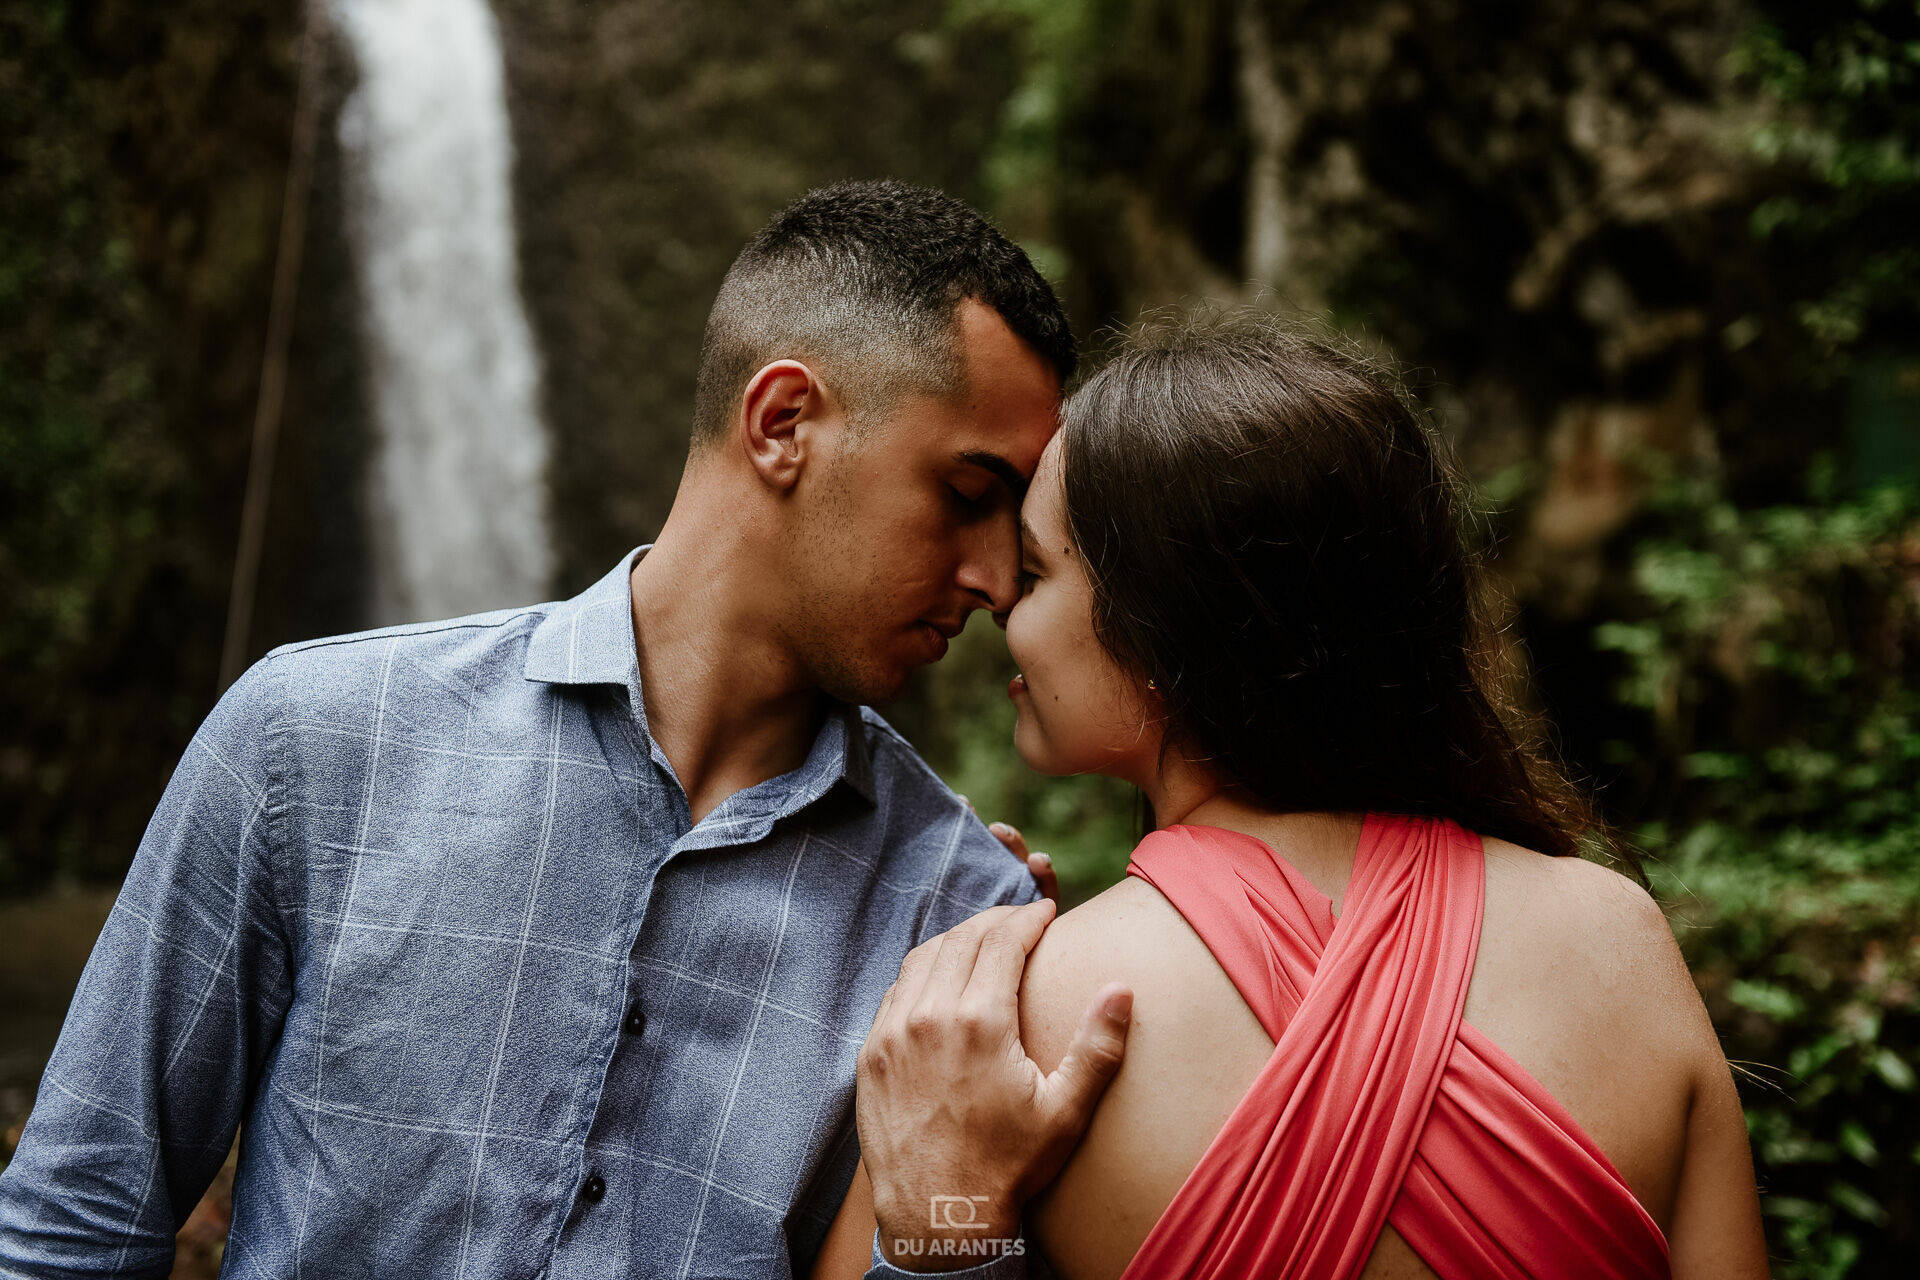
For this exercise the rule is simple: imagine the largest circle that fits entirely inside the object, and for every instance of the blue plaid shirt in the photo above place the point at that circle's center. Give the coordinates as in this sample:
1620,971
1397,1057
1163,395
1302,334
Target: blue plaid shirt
422,913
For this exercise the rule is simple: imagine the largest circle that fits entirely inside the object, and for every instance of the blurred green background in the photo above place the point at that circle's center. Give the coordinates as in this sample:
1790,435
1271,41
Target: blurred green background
1654,264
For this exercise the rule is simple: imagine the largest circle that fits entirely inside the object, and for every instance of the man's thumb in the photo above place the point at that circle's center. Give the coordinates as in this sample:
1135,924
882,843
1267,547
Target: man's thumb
1093,1059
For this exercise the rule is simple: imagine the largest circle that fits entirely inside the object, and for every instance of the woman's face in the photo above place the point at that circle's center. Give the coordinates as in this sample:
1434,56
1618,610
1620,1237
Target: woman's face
1078,711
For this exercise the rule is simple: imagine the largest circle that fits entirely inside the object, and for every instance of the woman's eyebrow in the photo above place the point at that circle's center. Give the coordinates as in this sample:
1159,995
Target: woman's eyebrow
1030,545
1008,474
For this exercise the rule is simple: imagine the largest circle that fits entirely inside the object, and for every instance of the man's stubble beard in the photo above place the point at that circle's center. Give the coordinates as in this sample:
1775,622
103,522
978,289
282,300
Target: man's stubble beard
829,656
821,632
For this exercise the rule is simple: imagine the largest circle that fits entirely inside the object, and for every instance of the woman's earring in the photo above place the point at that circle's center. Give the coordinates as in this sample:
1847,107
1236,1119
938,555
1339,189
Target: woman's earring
1151,685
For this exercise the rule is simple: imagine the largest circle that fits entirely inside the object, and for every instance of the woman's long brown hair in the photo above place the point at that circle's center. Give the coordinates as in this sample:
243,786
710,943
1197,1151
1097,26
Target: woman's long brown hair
1275,538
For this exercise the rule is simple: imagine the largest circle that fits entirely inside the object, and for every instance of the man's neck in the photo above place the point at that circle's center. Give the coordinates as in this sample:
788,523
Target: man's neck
727,706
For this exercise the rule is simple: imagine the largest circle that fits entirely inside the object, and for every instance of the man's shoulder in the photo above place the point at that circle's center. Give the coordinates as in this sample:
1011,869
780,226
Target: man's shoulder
442,638
898,766
452,660
930,833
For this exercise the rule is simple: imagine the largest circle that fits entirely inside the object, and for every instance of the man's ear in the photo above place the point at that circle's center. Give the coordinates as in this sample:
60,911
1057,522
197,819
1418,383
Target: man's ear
781,410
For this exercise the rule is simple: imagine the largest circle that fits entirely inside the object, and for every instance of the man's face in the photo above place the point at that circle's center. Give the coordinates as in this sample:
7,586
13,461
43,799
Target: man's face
916,523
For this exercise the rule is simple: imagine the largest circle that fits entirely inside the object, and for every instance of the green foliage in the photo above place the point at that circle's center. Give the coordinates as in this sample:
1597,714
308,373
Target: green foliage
1773,654
83,467
139,149
1845,82
1807,949
1051,38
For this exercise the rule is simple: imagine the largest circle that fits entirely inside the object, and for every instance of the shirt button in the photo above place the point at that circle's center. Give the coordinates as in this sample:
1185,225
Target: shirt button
594,1188
635,1021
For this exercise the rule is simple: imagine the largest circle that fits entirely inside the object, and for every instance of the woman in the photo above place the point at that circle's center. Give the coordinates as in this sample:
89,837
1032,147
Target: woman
1386,1021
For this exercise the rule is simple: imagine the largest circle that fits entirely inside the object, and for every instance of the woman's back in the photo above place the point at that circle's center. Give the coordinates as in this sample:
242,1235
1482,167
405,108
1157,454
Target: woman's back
1576,979
1245,590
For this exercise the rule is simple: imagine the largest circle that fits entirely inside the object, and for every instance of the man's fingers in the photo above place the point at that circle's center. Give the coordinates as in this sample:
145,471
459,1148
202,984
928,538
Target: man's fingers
952,967
1009,836
1093,1059
879,1020
953,963
906,989
1003,955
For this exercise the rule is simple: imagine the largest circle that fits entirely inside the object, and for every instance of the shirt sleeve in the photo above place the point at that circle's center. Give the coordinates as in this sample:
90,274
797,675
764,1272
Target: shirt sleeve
180,1002
981,874
1025,889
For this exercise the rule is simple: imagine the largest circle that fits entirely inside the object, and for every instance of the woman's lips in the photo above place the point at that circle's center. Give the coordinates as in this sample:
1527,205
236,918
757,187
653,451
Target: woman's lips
1016,686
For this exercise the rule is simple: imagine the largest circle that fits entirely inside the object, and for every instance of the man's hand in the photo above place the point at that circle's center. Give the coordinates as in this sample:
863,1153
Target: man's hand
958,1127
1039,865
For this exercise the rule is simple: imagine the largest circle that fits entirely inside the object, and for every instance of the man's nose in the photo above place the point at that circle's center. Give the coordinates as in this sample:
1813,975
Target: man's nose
991,571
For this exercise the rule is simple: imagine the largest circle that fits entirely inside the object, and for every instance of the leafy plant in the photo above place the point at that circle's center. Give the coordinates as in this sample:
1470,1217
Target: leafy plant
1844,79
1772,653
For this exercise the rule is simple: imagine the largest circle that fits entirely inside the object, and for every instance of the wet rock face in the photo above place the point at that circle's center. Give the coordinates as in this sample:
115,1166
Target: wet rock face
651,138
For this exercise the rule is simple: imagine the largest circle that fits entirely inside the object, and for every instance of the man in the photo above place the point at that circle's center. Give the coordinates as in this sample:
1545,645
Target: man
543,942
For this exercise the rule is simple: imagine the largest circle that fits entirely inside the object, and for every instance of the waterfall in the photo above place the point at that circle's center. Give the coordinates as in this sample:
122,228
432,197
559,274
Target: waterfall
457,494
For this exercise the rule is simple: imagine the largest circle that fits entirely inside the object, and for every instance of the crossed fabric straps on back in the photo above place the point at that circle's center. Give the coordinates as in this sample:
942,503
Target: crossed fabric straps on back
1379,1104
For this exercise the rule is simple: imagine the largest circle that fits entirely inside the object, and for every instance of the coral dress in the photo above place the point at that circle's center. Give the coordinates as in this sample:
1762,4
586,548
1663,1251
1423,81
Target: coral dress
1379,1104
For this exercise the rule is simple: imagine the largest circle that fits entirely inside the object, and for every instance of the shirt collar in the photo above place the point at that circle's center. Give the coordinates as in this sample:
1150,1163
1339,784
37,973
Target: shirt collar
590,640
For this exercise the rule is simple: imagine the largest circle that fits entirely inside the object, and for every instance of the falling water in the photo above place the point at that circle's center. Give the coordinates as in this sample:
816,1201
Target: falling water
457,488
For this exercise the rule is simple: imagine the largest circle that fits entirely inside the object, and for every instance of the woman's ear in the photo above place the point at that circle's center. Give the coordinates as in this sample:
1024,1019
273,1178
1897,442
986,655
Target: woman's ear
779,408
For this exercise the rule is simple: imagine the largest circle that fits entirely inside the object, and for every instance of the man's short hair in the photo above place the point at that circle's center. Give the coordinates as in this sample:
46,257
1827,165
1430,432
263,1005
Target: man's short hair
864,280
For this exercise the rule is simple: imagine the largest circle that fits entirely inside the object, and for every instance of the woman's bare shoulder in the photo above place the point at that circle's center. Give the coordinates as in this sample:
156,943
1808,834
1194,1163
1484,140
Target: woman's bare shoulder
1192,1051
1129,933
1578,978
1567,916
